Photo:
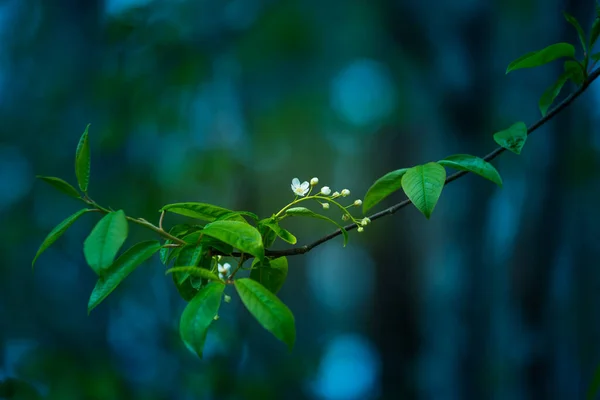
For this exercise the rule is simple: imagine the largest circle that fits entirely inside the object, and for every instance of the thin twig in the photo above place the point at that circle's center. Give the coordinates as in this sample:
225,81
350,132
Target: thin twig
490,156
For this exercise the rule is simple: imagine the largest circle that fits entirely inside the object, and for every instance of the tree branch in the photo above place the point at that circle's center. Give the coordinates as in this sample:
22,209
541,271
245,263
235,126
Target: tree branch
490,156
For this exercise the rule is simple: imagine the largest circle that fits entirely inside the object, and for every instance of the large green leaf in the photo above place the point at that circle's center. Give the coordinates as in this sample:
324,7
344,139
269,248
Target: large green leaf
198,315
573,21
513,138
240,235
120,269
467,162
61,185
305,212
550,94
57,232
423,185
383,187
541,57
270,273
268,310
184,286
101,246
82,161
279,231
195,271
594,386
202,211
234,215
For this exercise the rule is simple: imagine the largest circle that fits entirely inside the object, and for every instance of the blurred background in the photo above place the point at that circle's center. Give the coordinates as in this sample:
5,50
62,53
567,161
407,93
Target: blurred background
225,102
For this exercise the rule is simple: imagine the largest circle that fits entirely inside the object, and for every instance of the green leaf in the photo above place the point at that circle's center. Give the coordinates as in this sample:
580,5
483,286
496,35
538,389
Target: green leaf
594,387
595,57
195,271
82,161
383,187
237,234
541,57
202,211
595,32
573,21
57,232
305,212
267,234
234,215
270,273
184,286
61,185
198,315
279,231
120,269
467,162
423,185
101,246
575,71
550,94
268,310
512,138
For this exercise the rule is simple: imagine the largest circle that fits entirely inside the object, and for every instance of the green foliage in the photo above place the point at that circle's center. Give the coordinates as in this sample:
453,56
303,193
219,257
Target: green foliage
271,273
82,161
467,162
594,387
271,223
61,185
57,232
120,269
595,32
240,235
201,211
198,315
512,138
576,71
305,212
383,187
541,57
102,245
550,94
571,19
195,271
423,185
268,310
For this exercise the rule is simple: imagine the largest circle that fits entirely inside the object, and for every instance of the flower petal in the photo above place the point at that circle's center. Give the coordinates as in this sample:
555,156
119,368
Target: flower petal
305,185
295,182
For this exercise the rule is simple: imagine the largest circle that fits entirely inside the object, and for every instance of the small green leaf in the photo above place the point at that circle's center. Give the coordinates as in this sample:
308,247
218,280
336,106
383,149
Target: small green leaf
595,32
270,273
541,57
594,387
202,211
279,231
195,271
383,187
573,21
237,234
267,234
423,185
512,138
61,185
305,212
120,269
57,232
550,94
198,315
575,71
184,286
268,310
595,57
101,246
467,162
82,161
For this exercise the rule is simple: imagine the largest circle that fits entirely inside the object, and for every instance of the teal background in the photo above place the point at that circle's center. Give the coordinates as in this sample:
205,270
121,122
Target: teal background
225,102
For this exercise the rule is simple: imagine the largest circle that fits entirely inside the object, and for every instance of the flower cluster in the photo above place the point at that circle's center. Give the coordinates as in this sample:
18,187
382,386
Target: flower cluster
325,197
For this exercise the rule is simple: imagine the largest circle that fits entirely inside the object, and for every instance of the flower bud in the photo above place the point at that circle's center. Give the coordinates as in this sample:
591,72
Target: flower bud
336,194
360,229
365,221
358,202
345,217
345,193
325,206
325,190
314,181
227,299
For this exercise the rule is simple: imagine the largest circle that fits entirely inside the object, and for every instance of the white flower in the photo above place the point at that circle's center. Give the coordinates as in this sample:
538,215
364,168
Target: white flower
345,193
336,194
227,299
224,270
358,202
314,181
325,190
325,206
360,229
299,189
221,276
365,221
